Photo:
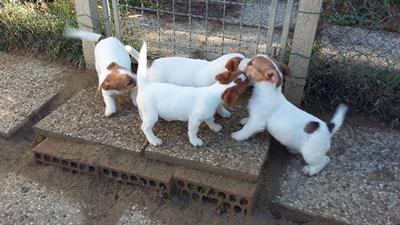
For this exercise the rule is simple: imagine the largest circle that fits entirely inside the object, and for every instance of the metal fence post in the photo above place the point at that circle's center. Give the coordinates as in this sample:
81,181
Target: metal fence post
88,19
303,39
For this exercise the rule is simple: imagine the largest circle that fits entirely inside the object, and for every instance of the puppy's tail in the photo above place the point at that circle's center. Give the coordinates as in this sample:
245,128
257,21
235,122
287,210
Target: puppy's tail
80,34
142,65
337,119
133,52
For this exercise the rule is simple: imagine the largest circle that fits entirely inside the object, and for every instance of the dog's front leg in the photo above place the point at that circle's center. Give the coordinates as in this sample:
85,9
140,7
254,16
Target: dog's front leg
252,126
193,127
110,104
134,96
224,113
212,125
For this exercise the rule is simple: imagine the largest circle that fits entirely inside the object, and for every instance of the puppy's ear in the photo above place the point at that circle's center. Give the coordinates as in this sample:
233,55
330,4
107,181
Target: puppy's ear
230,96
233,64
227,77
112,65
285,70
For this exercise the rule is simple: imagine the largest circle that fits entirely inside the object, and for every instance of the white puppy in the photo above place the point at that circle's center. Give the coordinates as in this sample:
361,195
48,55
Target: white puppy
190,72
172,102
113,66
268,109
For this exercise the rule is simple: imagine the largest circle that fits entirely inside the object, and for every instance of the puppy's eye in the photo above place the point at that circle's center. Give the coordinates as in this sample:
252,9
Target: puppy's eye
130,82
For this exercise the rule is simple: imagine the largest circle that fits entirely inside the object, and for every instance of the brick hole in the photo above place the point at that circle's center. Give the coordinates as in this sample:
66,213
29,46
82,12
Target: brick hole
74,171
163,186
124,177
243,201
200,189
213,200
232,198
82,167
92,169
190,186
226,205
134,178
221,195
55,160
144,181
129,183
152,183
47,158
245,211
114,174
64,162
185,193
106,172
38,156
204,199
237,209
74,165
195,196
181,184
211,192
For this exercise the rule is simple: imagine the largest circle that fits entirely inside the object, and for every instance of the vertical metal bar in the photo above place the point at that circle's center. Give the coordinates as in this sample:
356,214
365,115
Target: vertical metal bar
106,15
271,26
285,29
206,28
117,23
259,25
173,22
241,24
190,26
158,25
223,28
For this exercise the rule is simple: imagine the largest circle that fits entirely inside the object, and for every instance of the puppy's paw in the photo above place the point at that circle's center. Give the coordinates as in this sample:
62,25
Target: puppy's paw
310,170
238,136
224,113
109,113
155,141
244,120
196,142
216,128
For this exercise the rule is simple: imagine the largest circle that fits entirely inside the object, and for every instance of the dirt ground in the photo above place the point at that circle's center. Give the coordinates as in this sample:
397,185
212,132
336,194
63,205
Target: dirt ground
105,201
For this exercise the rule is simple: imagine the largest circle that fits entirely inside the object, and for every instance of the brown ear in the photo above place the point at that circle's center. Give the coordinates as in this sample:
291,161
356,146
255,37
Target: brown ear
231,94
233,64
112,65
285,70
227,77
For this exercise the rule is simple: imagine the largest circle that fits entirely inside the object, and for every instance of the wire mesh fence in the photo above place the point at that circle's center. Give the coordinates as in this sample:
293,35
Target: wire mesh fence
356,58
208,28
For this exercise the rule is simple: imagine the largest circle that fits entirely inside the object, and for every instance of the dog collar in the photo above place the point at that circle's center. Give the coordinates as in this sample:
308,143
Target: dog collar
243,64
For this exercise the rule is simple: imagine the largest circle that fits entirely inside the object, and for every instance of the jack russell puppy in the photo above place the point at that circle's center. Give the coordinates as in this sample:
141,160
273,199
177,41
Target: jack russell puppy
172,102
301,132
113,66
189,72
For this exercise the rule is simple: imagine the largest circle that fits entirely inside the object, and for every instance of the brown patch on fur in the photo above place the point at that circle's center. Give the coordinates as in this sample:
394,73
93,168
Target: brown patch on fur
261,69
311,127
116,80
330,126
232,65
231,94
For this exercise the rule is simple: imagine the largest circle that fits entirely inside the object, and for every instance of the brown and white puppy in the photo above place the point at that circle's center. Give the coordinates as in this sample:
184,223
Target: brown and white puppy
113,66
298,130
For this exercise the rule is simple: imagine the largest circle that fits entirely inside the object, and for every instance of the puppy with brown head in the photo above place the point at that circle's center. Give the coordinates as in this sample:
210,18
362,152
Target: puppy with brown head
296,129
113,66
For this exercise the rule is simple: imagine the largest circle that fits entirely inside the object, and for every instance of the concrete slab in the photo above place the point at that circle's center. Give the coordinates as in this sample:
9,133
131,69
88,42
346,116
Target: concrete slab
219,153
82,118
361,184
26,85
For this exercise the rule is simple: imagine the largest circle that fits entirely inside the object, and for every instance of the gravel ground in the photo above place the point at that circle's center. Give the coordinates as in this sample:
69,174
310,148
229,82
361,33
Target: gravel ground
136,215
360,185
24,201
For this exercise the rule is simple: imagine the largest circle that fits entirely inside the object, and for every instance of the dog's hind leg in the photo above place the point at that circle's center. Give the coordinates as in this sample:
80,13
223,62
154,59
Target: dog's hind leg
147,128
314,155
212,125
224,113
193,127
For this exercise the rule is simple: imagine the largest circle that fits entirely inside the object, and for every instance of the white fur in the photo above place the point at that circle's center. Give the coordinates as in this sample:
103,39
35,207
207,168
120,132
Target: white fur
189,72
106,51
269,109
172,102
